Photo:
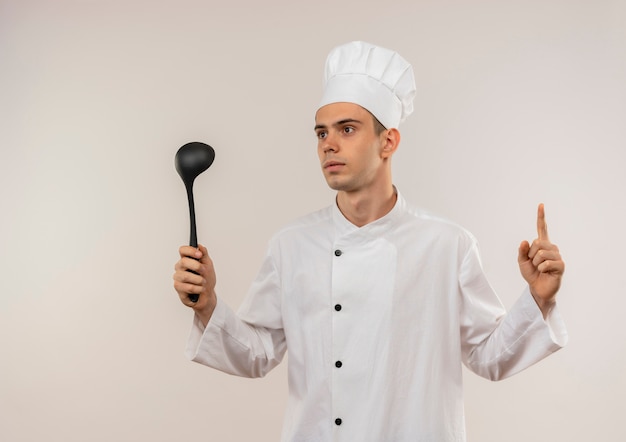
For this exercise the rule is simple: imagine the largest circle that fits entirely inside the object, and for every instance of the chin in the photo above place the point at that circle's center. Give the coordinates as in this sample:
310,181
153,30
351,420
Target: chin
338,186
331,181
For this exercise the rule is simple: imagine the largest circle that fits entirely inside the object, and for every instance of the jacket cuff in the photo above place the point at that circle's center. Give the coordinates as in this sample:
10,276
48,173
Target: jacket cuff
553,324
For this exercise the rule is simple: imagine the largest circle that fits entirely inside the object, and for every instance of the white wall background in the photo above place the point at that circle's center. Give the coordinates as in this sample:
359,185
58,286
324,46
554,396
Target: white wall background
519,102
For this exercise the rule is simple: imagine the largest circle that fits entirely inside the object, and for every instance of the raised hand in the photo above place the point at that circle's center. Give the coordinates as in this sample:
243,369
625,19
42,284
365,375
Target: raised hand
194,274
541,265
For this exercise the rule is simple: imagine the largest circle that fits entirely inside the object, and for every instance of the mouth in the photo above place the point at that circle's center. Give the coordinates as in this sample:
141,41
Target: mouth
332,165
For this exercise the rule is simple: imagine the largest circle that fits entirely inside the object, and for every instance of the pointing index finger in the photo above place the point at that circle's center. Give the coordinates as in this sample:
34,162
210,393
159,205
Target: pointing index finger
542,226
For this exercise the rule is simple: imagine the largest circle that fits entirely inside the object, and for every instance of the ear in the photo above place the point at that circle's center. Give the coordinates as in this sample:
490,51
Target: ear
390,141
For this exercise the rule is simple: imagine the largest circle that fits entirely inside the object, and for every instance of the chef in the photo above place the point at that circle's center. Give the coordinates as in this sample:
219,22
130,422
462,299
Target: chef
378,302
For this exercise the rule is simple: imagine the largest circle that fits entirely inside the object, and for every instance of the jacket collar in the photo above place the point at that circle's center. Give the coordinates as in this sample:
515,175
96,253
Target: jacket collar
343,227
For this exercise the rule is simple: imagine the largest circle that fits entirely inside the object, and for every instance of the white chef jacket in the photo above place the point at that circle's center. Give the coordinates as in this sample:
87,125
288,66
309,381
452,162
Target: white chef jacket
378,321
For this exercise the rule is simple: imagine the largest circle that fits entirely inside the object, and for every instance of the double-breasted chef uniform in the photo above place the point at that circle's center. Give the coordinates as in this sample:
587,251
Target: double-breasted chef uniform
378,321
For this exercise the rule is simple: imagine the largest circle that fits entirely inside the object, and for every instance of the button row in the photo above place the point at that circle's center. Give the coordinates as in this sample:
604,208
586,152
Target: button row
338,364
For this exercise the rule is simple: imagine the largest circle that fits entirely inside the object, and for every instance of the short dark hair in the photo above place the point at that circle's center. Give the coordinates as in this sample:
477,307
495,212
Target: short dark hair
378,126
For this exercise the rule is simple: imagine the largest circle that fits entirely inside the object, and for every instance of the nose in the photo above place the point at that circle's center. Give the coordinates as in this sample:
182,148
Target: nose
329,144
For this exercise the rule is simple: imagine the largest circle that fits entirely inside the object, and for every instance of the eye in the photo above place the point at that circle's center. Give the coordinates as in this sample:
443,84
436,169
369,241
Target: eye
322,134
348,130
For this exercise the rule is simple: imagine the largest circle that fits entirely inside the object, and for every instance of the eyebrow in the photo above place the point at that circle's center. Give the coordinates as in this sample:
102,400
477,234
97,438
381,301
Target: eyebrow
338,123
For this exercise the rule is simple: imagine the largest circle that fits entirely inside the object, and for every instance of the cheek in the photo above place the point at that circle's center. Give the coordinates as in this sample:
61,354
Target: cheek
321,155
373,152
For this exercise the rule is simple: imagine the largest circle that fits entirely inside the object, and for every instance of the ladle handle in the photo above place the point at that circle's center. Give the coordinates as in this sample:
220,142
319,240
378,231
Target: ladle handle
193,239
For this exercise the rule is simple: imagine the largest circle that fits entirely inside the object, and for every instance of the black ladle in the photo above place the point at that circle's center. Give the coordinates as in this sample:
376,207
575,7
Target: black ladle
191,160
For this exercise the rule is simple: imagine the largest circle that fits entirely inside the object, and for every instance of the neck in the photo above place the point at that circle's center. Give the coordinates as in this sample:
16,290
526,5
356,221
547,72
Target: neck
363,208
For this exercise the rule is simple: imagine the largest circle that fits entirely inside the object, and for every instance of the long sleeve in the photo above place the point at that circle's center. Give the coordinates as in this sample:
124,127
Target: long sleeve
497,344
236,343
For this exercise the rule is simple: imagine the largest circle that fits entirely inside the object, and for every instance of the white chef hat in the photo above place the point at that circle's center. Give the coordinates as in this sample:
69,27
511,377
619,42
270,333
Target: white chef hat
375,78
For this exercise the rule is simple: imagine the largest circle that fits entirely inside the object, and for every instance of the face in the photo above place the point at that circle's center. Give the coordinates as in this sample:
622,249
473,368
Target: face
353,157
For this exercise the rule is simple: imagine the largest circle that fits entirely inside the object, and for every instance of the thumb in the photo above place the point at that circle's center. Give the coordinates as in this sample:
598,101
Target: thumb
522,255
205,253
